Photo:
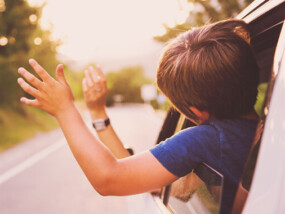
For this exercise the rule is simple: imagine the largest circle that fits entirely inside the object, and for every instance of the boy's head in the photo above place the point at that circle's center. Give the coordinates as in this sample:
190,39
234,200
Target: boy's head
212,69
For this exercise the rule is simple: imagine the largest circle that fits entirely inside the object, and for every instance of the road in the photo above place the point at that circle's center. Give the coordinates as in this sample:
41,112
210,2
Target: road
41,175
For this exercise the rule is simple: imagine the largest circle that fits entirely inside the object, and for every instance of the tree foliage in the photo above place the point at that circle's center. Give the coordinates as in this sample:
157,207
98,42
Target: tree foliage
21,38
204,12
127,83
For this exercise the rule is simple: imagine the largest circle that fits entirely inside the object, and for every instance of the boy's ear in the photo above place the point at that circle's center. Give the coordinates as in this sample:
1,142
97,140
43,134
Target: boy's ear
203,115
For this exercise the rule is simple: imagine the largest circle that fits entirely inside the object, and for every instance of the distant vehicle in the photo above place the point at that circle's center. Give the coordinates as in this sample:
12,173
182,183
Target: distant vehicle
262,188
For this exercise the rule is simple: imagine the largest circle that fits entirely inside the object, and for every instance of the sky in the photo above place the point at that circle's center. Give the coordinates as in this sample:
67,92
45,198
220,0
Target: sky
110,32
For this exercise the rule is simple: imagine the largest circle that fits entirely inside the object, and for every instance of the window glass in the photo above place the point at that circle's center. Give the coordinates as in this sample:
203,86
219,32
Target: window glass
265,35
200,192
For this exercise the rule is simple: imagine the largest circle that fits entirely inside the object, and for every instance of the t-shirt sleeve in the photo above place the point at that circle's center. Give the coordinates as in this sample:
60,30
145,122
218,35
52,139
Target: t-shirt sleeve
181,153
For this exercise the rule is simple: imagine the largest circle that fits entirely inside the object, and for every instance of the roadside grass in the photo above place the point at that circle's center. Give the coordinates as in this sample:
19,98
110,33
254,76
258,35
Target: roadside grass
16,127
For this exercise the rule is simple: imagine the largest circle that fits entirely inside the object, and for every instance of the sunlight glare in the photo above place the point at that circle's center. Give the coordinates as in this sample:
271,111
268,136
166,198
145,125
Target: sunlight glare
36,3
2,6
38,41
187,6
33,18
181,17
3,41
91,28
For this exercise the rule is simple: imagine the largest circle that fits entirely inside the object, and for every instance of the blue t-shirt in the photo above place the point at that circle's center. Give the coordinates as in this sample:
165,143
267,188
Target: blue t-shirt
222,144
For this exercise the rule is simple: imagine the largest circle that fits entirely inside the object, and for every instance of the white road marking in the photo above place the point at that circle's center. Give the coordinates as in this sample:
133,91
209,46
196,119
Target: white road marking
31,161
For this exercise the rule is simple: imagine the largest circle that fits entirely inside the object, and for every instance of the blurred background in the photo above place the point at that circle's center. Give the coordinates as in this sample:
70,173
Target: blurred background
124,37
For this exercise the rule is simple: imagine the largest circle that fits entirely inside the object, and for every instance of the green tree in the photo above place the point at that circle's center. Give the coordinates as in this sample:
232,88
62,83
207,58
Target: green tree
127,83
21,38
204,12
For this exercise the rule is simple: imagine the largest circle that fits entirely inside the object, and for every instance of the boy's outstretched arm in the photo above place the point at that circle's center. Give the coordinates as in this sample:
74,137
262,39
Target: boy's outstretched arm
109,176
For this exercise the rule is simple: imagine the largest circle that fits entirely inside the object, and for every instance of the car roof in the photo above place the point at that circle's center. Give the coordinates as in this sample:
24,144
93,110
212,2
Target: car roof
258,8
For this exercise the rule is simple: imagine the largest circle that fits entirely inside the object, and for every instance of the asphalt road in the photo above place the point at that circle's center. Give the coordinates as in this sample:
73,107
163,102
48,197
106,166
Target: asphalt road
41,175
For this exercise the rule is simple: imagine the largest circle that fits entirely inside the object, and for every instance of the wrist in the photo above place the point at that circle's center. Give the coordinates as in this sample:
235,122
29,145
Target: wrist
98,114
66,113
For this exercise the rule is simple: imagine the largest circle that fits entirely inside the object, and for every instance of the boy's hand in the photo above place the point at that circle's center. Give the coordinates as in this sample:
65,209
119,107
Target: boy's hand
54,97
95,92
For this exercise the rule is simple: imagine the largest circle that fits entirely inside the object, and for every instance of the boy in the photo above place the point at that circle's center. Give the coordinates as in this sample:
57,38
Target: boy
209,74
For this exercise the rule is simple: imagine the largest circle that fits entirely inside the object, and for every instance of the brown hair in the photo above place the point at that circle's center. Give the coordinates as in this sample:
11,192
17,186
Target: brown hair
211,68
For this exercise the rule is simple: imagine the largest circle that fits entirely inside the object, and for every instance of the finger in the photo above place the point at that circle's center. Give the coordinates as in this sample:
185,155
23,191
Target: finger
34,103
60,74
100,73
27,88
102,81
94,74
30,77
40,71
88,79
84,85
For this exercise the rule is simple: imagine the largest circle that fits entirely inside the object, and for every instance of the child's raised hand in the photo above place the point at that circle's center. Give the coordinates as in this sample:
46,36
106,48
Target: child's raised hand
54,97
95,89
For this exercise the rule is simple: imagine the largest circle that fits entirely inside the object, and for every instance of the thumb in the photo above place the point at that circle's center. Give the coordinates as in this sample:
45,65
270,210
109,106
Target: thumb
84,85
60,74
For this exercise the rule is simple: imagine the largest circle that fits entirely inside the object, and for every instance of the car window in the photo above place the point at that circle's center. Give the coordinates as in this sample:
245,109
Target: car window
265,35
264,42
199,191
